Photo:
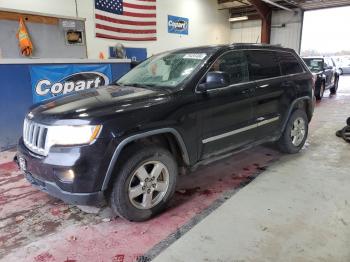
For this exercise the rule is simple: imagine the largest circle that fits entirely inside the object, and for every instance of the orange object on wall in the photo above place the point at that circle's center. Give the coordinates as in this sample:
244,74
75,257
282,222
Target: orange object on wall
25,44
101,55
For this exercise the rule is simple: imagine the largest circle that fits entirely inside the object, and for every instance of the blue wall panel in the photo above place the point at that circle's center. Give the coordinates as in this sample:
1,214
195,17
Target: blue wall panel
118,70
16,97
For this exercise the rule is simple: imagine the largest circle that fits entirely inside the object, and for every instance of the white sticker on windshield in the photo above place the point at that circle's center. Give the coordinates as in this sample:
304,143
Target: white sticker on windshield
195,56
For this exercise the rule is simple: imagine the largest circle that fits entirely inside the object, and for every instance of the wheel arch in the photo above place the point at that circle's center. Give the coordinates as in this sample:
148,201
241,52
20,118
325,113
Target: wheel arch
304,103
124,143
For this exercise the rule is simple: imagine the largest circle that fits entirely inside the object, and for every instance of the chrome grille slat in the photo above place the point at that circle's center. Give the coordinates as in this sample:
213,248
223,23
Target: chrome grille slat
28,128
34,137
24,129
40,137
27,131
30,138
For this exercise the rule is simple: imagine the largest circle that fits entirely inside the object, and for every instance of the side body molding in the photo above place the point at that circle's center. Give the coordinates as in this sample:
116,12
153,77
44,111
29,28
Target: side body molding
290,110
129,139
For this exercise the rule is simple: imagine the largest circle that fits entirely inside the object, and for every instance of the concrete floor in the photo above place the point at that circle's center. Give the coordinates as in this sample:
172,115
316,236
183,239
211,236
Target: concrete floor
254,206
298,210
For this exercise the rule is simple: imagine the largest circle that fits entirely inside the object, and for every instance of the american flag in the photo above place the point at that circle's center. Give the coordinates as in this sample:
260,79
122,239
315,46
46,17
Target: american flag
129,20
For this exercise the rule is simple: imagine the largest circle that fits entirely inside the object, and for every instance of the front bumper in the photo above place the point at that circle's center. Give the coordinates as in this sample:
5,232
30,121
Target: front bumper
87,163
93,199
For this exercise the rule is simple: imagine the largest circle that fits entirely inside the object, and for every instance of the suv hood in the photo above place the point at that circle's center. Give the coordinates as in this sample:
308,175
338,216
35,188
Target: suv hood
103,101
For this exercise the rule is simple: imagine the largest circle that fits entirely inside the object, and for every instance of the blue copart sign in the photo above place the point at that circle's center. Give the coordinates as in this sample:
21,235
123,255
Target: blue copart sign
54,80
178,25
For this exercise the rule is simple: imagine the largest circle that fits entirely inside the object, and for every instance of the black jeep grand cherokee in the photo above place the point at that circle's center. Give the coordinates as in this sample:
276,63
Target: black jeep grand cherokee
124,143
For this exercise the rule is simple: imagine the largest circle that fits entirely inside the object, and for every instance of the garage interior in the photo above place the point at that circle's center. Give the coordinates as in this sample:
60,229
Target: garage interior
255,205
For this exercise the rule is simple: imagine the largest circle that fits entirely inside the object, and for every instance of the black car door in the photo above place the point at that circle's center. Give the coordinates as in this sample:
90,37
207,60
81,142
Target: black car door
226,113
264,69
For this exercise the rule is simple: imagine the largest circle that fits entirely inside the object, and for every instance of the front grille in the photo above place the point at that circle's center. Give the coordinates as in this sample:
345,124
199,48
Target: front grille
34,137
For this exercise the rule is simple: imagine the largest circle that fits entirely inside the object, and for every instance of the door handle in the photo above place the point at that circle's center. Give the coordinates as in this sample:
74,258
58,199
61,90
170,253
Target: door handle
260,119
264,86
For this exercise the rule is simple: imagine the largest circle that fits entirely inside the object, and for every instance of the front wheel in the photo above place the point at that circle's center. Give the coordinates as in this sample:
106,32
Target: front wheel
320,92
295,133
334,89
144,184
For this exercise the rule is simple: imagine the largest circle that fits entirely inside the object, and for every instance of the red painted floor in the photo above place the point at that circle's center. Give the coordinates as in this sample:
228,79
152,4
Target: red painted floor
37,227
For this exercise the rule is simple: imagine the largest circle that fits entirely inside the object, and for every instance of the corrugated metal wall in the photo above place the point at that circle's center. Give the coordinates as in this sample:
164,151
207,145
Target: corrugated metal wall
285,31
246,32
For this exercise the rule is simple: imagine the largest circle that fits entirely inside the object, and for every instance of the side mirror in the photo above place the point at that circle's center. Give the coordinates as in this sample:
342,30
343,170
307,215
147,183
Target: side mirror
216,79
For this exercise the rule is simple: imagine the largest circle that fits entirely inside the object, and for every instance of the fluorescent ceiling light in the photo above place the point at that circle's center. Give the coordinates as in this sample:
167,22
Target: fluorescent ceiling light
238,18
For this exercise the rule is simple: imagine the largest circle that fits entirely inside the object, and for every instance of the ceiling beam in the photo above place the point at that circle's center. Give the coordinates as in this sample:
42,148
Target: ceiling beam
243,11
265,14
242,2
314,5
292,3
226,1
263,9
277,5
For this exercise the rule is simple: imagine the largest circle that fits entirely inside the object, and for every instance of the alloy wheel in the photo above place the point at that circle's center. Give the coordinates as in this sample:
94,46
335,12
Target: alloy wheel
148,185
298,131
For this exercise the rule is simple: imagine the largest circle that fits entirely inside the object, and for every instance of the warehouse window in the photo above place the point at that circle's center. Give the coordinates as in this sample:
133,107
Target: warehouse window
262,64
289,64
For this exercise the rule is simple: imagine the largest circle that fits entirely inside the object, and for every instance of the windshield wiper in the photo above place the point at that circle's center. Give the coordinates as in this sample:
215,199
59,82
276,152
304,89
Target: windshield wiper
138,85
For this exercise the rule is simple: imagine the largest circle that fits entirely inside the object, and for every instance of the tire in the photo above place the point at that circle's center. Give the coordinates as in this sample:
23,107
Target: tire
131,176
334,89
320,92
288,143
341,71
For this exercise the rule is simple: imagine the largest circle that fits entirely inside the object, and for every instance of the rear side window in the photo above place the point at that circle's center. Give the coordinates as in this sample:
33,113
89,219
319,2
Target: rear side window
289,64
262,64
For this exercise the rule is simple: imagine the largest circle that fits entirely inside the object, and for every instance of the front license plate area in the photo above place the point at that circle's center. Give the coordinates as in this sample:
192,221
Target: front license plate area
22,164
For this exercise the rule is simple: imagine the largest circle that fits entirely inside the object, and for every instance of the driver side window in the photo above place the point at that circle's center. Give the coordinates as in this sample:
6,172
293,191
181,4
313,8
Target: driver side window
235,64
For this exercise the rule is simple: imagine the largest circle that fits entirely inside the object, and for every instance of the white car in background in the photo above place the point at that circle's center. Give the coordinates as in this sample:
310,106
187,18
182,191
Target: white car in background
344,68
342,63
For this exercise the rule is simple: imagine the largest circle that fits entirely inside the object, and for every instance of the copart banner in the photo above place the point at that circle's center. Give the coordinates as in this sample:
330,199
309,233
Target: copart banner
54,80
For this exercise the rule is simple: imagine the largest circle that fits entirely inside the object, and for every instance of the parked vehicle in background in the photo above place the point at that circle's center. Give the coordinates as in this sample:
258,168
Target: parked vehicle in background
344,68
326,75
125,143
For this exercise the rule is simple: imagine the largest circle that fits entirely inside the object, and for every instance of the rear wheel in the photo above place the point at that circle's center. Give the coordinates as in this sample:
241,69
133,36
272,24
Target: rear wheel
295,133
320,91
144,184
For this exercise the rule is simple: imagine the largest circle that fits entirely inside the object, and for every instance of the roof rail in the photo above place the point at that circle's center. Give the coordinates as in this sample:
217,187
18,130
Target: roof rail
259,44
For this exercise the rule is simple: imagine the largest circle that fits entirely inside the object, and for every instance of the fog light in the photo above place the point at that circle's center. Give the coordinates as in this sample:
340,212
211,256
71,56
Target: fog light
66,176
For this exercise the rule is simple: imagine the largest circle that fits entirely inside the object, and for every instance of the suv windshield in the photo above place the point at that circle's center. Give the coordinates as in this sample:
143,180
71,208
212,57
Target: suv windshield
314,64
164,70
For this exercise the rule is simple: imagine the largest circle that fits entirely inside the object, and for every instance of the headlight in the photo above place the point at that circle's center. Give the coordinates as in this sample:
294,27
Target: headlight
72,135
